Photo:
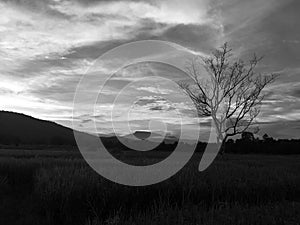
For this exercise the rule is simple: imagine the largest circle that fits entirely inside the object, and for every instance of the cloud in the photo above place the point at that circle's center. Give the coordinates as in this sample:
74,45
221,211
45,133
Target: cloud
47,45
156,90
283,129
160,11
28,33
261,27
153,103
296,93
198,37
34,28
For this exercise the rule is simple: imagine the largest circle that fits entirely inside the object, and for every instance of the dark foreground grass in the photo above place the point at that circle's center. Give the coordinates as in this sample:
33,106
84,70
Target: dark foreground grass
240,189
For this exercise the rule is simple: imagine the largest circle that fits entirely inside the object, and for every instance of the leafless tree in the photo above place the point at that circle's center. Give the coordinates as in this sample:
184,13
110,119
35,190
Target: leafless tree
231,94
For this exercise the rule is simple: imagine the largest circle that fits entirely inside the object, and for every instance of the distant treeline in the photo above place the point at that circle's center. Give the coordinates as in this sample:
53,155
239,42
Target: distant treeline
267,145
280,146
246,144
240,146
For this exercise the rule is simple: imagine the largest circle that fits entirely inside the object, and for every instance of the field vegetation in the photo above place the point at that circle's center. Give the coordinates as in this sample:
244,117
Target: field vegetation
58,187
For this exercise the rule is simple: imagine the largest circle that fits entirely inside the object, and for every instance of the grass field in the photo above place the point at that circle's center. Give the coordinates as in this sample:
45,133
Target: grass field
57,187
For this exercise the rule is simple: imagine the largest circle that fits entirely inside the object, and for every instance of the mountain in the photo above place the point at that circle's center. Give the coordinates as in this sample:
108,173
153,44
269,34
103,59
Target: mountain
16,128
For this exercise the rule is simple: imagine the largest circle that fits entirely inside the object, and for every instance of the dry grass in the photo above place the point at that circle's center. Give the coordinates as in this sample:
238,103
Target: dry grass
64,190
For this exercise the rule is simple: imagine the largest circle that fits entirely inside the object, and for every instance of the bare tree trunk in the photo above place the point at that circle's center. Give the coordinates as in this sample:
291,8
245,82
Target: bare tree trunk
223,146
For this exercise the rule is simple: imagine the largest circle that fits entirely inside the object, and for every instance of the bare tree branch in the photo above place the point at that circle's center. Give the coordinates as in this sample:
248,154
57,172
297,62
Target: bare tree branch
231,95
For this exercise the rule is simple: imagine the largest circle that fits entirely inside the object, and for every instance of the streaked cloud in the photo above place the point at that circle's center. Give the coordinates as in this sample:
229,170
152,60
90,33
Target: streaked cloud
47,45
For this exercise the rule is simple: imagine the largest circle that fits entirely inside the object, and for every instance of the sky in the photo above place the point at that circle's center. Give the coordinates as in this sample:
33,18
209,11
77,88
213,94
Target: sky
48,46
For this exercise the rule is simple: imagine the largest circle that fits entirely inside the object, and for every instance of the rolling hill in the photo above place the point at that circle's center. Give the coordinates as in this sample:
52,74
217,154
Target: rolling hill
19,129
16,128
